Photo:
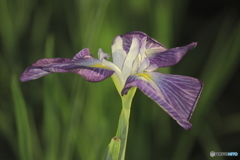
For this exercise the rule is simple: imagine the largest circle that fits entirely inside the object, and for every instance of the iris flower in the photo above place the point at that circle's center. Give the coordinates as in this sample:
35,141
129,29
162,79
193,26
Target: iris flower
136,57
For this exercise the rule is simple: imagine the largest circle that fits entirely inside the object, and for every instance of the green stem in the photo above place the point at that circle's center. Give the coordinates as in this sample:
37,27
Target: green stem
117,147
123,124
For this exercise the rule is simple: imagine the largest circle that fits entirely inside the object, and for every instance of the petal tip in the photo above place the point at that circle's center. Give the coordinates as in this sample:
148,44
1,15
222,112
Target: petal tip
192,45
22,78
186,125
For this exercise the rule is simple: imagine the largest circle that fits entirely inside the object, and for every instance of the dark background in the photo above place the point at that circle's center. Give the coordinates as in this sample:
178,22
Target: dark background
61,116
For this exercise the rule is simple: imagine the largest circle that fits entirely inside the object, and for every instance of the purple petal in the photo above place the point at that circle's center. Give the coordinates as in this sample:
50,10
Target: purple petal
82,63
152,46
83,54
36,70
171,56
176,94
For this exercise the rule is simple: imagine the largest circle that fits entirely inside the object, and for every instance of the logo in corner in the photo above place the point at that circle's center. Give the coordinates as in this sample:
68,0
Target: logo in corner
212,153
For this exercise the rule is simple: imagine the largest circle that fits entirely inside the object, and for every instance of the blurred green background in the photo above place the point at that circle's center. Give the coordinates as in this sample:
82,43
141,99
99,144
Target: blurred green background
64,117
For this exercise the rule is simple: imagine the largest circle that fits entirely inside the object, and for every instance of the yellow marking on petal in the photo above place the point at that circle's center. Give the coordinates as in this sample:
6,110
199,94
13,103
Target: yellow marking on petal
100,66
148,78
145,75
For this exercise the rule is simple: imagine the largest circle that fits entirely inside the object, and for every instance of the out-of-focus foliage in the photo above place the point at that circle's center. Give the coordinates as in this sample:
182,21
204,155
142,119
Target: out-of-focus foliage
63,117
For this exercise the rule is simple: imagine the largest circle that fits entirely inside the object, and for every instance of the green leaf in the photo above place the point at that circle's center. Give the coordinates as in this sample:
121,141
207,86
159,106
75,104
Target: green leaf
113,149
22,121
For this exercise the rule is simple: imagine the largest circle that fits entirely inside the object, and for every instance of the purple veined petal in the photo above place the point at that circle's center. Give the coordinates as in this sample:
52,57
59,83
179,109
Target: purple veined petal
82,63
83,54
176,94
152,46
171,56
35,71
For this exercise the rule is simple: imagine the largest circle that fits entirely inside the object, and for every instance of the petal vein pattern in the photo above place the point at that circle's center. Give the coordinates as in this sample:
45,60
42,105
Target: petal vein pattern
176,94
82,63
171,56
152,46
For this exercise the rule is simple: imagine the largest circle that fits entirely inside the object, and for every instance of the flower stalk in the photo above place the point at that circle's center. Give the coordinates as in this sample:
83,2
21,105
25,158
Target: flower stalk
117,146
123,125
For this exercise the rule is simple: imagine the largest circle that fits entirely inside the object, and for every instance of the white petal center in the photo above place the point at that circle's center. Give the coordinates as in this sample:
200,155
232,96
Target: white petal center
126,64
